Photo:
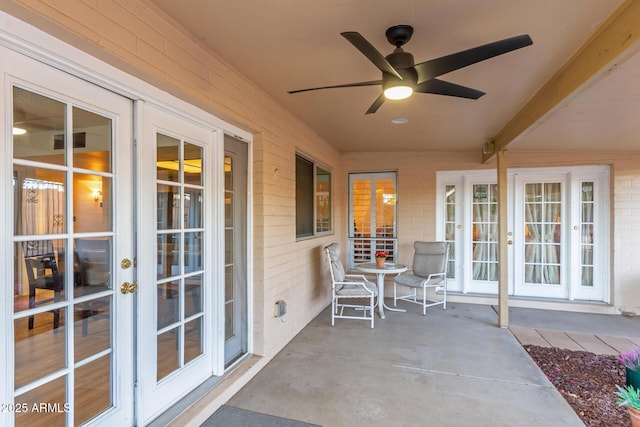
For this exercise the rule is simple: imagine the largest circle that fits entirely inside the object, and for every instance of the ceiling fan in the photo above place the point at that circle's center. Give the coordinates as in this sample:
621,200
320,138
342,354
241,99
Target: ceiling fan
401,76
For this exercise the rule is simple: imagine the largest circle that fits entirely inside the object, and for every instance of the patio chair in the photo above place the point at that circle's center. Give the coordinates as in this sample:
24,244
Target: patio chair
348,287
429,271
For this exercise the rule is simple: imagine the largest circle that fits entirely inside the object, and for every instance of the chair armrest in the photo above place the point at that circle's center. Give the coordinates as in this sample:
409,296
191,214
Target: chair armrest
356,276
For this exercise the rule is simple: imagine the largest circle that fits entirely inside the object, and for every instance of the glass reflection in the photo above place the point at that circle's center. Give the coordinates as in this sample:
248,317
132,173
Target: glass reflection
91,203
192,164
192,208
93,384
167,356
92,327
168,207
92,266
39,351
168,303
53,394
92,135
192,340
39,275
40,197
39,127
168,158
168,255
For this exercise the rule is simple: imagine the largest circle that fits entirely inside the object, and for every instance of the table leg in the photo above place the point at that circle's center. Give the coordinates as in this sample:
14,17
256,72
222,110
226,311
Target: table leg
381,294
381,305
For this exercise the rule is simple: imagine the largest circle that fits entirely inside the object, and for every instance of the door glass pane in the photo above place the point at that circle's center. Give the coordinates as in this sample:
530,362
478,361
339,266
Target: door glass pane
40,350
39,127
92,327
91,141
92,203
193,340
484,232
49,395
168,197
41,201
167,158
92,265
192,164
542,233
93,385
168,356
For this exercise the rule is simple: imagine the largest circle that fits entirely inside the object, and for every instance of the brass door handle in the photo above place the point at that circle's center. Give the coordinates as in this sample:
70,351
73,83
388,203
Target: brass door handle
128,288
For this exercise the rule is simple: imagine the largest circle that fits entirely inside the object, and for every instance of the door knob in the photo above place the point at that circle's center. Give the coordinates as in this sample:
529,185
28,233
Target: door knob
128,288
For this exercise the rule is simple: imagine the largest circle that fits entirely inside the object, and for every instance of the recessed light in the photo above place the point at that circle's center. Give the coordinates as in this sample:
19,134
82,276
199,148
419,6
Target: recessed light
399,121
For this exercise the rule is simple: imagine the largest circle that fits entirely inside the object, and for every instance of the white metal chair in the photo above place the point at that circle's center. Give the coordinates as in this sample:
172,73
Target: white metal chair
429,270
348,286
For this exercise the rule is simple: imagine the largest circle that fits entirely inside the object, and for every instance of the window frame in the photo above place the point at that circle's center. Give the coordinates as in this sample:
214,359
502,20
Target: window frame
314,197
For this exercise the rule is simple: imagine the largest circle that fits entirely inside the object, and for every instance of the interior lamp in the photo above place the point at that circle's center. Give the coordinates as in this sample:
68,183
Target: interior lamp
401,91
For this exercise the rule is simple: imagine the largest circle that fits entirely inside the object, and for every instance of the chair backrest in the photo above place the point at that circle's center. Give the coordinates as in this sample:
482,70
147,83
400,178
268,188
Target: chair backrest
42,272
430,258
333,256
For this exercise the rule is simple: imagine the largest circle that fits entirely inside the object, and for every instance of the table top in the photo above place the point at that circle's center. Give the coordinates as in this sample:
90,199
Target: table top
389,267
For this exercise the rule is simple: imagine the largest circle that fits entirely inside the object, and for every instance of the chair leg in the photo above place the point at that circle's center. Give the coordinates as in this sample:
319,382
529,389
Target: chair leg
333,311
371,310
424,301
444,295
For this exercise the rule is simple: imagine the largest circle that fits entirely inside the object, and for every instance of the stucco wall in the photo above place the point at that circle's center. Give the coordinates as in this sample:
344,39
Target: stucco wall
135,37
416,201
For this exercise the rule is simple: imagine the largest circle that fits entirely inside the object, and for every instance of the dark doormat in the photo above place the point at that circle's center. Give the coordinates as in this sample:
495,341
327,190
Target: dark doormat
229,416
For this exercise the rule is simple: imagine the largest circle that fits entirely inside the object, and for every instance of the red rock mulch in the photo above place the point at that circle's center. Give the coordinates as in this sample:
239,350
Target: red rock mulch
587,381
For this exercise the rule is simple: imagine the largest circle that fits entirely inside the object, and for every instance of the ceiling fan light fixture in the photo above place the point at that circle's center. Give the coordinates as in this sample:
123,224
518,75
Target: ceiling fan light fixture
400,91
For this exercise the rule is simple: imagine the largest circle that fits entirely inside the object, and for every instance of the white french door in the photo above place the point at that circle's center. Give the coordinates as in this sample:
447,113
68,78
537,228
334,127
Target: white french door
558,231
67,231
177,260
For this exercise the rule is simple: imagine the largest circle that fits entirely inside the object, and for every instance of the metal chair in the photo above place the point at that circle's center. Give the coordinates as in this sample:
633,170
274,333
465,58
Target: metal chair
349,287
429,270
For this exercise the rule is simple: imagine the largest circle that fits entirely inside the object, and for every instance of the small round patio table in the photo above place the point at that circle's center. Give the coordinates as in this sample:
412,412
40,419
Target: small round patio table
380,272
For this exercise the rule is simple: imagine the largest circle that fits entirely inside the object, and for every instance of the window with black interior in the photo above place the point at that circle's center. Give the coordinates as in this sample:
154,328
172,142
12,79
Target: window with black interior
313,198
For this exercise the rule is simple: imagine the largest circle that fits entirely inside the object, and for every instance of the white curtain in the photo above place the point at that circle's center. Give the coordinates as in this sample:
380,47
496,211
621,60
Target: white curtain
43,207
542,233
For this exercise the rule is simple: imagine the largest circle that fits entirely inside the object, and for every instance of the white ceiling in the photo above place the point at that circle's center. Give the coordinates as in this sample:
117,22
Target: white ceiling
284,45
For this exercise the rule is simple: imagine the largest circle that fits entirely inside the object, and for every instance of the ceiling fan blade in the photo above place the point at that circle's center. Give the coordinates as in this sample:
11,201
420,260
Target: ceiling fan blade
371,83
376,104
440,87
445,64
370,52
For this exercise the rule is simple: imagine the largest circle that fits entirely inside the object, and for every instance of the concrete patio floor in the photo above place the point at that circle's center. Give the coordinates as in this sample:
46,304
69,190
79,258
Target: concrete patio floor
451,367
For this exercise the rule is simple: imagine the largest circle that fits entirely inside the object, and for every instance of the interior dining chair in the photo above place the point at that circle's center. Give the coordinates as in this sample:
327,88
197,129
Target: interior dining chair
429,270
42,273
348,287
